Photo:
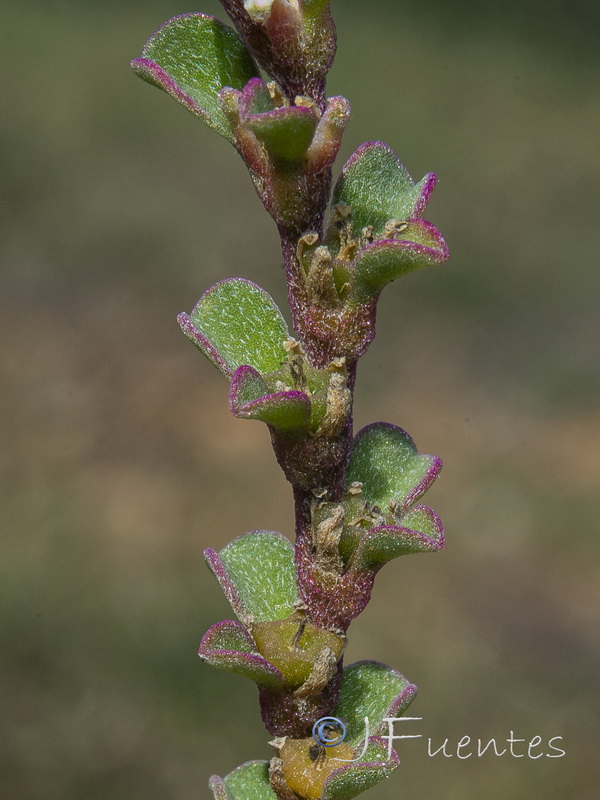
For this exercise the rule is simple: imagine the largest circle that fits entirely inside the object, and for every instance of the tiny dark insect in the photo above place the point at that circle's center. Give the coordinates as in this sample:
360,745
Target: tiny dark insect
316,753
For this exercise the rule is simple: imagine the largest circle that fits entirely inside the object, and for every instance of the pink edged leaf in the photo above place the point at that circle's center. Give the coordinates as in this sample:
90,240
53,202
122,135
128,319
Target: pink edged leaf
250,781
236,322
351,780
249,398
257,574
192,57
374,690
217,568
218,788
203,343
384,543
417,245
386,462
230,646
377,187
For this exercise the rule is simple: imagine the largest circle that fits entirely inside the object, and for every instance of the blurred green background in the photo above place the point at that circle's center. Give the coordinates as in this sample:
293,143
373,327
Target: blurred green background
120,461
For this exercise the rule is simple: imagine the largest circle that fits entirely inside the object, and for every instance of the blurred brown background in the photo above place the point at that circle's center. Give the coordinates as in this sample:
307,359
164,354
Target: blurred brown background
120,461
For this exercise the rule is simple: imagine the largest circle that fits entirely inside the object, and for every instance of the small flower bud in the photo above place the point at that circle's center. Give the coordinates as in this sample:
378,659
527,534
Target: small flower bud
339,406
328,135
319,281
260,10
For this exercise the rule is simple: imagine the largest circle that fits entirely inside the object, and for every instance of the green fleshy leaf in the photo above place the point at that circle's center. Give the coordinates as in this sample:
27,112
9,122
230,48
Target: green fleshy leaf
385,460
354,779
285,132
250,399
249,781
377,187
261,567
381,545
192,57
373,690
277,410
229,646
239,323
419,245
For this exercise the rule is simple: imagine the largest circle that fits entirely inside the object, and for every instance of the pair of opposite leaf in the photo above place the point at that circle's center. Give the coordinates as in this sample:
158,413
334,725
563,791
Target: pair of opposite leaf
194,56
257,574
238,327
375,233
205,65
368,690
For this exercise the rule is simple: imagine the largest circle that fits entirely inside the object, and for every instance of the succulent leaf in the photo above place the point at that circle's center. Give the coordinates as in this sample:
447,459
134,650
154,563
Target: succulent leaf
377,187
250,781
192,57
236,322
385,460
387,542
249,398
257,573
229,646
286,132
419,245
374,690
